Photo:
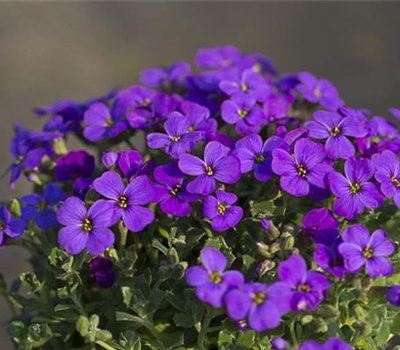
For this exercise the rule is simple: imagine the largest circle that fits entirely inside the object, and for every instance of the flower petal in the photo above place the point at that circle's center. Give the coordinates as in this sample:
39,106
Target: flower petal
73,239
72,212
109,185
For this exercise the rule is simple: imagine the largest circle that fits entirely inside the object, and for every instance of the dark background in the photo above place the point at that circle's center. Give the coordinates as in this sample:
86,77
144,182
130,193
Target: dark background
51,51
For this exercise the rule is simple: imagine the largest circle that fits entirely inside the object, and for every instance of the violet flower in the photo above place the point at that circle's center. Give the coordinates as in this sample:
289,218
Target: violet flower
321,225
359,249
308,287
262,305
243,111
217,165
74,165
303,169
165,77
354,192
101,269
328,257
221,212
171,190
211,280
85,228
257,156
9,227
334,128
393,295
127,201
330,344
218,57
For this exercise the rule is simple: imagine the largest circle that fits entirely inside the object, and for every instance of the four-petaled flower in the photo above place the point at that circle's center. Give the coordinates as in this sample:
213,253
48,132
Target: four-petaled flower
221,212
256,155
262,305
359,249
211,280
308,287
303,169
85,228
334,128
127,201
9,227
217,165
354,192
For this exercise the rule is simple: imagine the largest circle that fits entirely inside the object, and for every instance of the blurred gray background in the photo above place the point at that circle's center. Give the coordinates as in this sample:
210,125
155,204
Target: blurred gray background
51,51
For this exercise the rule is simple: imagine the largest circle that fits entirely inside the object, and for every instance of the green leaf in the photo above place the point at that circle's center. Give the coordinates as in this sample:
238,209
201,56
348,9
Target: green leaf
382,334
183,320
82,326
395,326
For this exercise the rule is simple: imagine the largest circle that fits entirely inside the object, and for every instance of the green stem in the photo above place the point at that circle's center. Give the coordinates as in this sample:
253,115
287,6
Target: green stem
124,234
293,335
104,345
204,330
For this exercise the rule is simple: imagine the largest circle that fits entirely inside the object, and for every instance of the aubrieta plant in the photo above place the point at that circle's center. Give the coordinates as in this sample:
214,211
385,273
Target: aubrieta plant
223,208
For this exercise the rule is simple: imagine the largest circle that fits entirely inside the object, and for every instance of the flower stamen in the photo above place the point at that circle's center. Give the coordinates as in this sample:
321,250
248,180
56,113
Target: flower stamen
335,131
355,188
123,202
301,170
215,277
259,298
209,170
304,288
87,225
368,253
395,181
222,208
176,190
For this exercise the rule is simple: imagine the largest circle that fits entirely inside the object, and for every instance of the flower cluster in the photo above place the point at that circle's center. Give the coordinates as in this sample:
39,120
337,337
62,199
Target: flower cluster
289,197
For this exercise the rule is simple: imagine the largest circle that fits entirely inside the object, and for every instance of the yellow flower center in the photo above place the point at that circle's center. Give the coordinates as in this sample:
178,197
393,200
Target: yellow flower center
259,298
123,202
176,190
87,225
2,226
368,253
260,158
335,131
395,181
301,170
355,188
215,277
304,288
191,129
209,170
109,123
244,87
243,113
175,138
317,93
146,102
222,208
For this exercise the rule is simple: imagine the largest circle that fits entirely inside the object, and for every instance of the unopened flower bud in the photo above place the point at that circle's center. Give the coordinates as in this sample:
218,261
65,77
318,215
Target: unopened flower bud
109,159
287,242
173,256
327,311
264,250
319,325
306,319
263,268
272,232
275,247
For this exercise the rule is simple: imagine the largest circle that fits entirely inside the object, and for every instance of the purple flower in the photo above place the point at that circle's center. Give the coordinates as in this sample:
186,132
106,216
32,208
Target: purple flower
221,212
177,138
171,190
387,173
101,270
40,208
354,192
210,281
262,305
217,165
160,108
321,225
101,124
328,257
382,127
308,287
319,91
254,155
218,57
303,169
331,344
334,128
85,228
9,227
199,119
393,295
248,83
165,77
243,111
82,187
359,249
131,164
126,201
109,159
74,165
276,107
279,344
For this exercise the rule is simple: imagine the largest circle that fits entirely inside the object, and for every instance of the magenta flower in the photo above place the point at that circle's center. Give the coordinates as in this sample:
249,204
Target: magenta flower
257,156
308,287
177,138
211,280
248,83
85,228
303,169
171,190
334,128
127,201
262,305
9,227
221,212
319,91
217,165
359,249
101,124
388,174
243,111
354,192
